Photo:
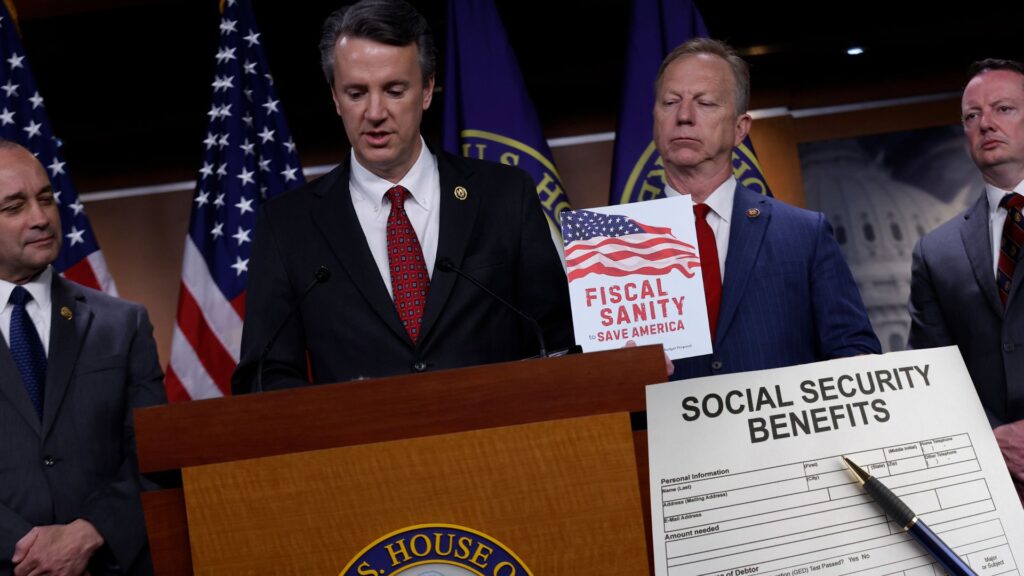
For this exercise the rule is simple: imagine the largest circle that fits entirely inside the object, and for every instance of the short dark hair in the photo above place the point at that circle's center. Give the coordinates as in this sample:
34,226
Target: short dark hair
740,70
391,22
993,64
990,64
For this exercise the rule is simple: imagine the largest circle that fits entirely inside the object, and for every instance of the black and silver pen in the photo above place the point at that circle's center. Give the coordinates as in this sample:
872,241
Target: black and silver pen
906,518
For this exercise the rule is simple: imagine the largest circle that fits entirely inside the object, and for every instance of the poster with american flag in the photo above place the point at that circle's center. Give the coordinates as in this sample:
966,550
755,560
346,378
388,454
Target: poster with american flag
249,157
634,275
23,119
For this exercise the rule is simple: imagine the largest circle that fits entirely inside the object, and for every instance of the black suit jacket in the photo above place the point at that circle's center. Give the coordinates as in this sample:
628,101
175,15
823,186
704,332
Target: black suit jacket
349,325
79,462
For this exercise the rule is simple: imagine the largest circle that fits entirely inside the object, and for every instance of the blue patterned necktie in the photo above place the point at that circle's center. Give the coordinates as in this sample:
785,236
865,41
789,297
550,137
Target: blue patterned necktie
27,349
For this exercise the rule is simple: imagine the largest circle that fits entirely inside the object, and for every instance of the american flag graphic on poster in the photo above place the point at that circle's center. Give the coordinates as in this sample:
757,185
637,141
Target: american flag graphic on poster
249,157
23,120
634,275
616,245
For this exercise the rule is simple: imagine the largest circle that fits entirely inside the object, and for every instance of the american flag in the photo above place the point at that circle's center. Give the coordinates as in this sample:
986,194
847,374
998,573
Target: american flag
23,119
249,157
615,245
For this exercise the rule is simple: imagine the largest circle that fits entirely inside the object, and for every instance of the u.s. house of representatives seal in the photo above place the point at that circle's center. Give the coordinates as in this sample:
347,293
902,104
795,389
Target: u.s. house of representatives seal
436,550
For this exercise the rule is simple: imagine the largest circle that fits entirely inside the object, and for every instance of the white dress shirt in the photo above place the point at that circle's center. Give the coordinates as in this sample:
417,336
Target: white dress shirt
369,198
38,308
997,218
720,201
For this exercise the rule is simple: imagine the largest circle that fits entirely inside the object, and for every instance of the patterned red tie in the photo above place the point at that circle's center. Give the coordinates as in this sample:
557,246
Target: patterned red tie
1009,246
710,270
409,279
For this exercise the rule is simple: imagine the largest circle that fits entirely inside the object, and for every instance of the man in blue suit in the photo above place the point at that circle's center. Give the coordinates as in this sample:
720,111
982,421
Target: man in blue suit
778,290
965,288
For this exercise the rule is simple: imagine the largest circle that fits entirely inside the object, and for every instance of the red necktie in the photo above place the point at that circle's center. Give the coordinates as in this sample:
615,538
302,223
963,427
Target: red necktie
710,270
1009,246
409,279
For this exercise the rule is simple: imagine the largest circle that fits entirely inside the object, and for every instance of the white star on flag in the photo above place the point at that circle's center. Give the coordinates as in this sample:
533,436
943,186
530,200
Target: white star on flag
242,236
244,205
246,177
240,265
56,167
32,128
75,235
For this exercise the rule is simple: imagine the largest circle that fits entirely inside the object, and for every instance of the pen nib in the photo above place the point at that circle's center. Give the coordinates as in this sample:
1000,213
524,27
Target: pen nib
858,473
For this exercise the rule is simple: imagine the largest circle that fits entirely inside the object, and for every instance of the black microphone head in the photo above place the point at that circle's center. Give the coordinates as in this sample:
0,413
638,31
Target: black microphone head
445,265
323,274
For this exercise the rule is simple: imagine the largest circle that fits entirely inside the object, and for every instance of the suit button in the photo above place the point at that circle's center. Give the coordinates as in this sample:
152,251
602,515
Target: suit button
1008,346
48,461
716,365
419,366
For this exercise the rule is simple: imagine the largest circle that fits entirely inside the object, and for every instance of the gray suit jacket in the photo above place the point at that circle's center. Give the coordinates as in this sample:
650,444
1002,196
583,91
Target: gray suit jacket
79,462
953,300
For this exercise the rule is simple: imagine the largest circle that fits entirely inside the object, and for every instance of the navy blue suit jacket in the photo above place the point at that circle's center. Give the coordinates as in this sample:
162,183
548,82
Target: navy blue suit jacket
953,300
787,296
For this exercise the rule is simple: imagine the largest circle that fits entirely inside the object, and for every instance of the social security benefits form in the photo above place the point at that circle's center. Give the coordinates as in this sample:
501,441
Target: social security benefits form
746,475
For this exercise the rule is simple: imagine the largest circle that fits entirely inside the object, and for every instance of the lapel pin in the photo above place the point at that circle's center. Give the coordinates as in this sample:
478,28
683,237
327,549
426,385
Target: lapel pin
461,193
65,312
753,212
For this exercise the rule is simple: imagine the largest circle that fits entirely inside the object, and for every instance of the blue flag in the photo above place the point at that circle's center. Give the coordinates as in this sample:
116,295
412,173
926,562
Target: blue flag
487,112
657,27
248,157
23,119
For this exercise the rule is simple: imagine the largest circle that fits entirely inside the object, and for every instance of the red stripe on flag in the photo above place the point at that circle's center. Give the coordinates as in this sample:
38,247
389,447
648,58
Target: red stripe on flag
239,305
619,255
175,389
82,273
211,353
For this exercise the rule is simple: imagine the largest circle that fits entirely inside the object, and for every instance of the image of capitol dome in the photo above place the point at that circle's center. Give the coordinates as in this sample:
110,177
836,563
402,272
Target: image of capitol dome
881,194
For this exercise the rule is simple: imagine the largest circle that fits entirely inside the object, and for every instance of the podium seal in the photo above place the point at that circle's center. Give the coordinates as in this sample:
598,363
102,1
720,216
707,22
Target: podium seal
436,550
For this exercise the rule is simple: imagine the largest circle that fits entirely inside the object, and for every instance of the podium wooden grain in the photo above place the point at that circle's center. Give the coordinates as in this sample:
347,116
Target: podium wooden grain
562,495
181,436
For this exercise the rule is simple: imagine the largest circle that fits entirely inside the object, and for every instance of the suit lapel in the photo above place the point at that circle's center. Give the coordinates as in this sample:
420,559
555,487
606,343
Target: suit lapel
335,217
745,236
456,225
13,388
67,332
974,232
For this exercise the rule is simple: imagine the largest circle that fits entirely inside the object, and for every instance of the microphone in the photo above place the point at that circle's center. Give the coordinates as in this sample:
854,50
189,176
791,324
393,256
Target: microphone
319,277
446,265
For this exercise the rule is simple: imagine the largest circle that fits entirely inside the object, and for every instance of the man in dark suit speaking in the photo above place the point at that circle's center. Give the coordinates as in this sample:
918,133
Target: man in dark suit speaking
388,224
778,290
74,362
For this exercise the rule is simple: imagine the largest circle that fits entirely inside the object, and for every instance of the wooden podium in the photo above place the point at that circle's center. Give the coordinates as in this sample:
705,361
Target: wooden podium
539,455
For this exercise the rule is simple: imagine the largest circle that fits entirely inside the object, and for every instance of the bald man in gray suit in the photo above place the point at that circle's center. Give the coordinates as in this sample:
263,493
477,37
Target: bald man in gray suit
74,362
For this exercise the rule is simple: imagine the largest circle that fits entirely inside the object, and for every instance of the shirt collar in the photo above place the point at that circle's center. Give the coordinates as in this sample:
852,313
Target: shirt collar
368,187
720,200
38,287
995,195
